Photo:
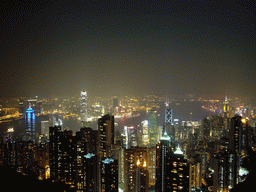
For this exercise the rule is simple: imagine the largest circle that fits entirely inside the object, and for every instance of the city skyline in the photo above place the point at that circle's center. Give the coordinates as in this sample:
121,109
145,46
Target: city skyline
59,48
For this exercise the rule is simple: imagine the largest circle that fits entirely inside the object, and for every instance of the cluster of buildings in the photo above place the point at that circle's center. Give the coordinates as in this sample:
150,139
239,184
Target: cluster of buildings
178,156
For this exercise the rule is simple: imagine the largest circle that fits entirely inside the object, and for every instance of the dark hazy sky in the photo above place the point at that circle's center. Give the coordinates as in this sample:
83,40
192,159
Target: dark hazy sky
127,48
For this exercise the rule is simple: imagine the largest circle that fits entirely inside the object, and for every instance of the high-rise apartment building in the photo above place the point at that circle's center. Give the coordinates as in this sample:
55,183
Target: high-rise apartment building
134,158
106,134
63,154
177,172
109,175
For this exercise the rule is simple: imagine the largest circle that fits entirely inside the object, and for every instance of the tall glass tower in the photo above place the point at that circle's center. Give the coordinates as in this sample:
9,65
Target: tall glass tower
83,106
152,117
30,124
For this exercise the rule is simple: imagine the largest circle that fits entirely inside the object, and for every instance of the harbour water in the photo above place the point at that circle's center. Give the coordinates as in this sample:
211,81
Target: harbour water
184,111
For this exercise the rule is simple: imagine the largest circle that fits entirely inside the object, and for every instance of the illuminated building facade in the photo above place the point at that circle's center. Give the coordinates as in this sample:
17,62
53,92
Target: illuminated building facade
226,107
145,138
109,175
29,125
62,155
221,172
153,136
195,173
141,176
130,137
83,106
88,180
177,172
106,131
151,164
133,158
162,149
168,114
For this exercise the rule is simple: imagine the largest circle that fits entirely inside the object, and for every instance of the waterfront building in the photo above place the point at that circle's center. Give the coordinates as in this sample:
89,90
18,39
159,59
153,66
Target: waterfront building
29,125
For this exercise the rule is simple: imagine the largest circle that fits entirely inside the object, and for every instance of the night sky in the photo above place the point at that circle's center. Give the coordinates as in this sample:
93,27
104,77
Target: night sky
57,48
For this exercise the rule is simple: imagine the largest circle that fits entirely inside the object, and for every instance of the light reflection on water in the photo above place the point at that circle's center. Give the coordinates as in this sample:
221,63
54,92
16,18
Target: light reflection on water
181,112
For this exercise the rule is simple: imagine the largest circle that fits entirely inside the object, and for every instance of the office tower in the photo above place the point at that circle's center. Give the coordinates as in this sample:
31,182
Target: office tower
130,137
109,175
45,128
132,157
29,125
144,129
106,131
83,106
177,172
152,117
226,107
168,114
162,149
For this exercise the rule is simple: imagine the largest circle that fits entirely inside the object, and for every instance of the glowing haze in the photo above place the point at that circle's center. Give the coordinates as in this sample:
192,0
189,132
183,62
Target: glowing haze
127,48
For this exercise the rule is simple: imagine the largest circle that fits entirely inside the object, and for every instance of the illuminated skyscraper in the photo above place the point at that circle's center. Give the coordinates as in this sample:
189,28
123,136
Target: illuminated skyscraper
162,149
83,106
152,117
30,124
226,107
144,127
168,114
